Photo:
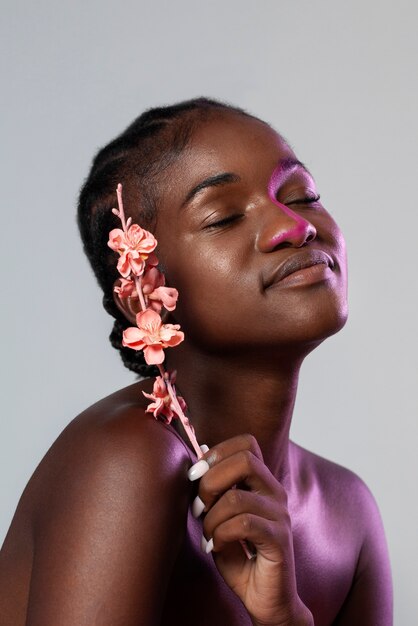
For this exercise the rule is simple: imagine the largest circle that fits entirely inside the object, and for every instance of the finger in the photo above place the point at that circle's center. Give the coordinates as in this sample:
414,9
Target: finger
236,501
242,468
271,540
198,469
221,451
224,449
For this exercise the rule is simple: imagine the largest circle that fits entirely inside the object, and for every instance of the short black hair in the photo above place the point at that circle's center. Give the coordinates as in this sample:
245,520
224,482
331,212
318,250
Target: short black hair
134,158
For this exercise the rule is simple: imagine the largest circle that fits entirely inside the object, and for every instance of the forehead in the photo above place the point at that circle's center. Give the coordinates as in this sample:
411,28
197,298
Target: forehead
231,138
226,142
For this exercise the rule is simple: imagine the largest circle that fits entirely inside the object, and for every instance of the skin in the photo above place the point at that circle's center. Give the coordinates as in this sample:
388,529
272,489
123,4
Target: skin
103,533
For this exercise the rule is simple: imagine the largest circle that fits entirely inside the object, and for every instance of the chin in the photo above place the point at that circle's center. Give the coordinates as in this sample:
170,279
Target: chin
312,326
328,324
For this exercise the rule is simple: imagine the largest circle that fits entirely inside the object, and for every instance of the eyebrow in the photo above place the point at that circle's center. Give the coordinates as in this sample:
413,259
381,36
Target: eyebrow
288,164
283,167
226,178
213,181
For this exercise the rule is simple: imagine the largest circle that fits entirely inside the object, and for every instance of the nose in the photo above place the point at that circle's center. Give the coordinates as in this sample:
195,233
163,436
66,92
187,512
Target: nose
281,227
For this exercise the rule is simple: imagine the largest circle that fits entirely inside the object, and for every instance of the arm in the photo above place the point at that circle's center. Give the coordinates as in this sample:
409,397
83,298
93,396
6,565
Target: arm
109,527
370,601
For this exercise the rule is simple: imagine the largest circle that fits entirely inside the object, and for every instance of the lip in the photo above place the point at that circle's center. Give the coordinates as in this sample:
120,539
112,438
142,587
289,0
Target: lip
302,260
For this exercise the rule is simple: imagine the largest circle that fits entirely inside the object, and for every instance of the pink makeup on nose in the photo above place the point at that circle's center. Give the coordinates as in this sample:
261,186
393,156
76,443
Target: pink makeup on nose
300,225
297,232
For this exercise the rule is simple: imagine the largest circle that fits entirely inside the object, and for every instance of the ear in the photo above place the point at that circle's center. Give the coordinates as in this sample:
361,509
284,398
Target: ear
128,306
131,306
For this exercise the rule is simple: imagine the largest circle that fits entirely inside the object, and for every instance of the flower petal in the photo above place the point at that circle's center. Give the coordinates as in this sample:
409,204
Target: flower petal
126,288
175,340
152,279
156,407
160,388
123,266
154,354
167,295
155,305
137,265
116,239
149,321
152,259
133,338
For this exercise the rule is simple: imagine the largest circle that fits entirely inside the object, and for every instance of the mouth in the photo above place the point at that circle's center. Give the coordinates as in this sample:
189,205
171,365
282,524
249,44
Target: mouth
316,264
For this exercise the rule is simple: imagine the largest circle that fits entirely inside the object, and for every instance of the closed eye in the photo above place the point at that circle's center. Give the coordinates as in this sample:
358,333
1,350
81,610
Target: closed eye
224,222
306,200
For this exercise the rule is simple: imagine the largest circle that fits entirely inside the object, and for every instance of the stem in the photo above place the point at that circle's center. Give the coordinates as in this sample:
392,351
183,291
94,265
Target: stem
184,420
192,438
120,205
138,283
138,279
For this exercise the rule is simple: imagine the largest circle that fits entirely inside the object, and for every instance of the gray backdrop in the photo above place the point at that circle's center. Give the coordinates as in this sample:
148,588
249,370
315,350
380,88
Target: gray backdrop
338,78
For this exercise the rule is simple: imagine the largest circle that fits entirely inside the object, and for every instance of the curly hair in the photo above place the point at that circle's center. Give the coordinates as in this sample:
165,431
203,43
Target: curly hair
136,158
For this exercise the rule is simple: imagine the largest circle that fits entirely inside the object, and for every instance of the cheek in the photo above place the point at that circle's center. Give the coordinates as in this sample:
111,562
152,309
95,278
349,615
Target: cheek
212,285
340,255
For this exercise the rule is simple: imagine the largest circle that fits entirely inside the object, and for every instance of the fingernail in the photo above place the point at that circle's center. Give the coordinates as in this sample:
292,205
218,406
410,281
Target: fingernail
207,546
198,469
204,448
197,507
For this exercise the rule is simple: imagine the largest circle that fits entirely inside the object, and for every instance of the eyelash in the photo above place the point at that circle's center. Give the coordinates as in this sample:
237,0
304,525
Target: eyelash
307,200
233,218
223,222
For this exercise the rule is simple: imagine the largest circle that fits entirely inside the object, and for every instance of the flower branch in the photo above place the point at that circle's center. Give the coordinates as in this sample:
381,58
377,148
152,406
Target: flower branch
140,279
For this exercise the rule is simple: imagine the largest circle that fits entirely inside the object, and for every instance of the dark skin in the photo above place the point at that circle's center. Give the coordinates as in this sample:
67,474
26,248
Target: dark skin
102,534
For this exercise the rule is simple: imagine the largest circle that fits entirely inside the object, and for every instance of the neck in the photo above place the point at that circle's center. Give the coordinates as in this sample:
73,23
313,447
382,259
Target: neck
228,395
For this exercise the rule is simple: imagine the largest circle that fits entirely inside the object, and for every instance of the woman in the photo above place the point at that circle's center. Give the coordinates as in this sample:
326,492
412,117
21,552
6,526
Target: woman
104,533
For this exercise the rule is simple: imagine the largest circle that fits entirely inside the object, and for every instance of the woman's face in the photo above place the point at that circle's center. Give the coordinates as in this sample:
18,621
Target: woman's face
236,212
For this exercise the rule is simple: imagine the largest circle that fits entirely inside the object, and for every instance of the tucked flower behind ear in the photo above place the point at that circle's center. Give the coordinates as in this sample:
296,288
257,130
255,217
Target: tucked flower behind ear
163,297
135,246
159,296
152,279
126,288
152,336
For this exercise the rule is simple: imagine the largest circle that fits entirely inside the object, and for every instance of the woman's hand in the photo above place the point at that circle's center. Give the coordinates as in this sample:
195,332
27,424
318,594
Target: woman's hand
256,512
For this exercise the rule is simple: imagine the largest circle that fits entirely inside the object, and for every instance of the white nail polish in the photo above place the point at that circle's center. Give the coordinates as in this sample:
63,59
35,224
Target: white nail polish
197,507
198,469
203,543
204,448
209,546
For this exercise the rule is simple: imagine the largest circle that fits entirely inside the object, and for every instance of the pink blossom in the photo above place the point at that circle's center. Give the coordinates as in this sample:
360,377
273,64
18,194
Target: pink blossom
152,279
129,262
135,247
152,336
126,288
163,297
163,404
116,240
159,296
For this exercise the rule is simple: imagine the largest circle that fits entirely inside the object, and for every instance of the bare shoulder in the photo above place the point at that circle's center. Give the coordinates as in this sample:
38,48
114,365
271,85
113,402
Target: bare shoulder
106,511
113,443
114,432
352,524
340,488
